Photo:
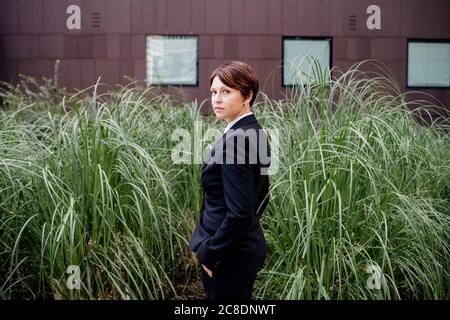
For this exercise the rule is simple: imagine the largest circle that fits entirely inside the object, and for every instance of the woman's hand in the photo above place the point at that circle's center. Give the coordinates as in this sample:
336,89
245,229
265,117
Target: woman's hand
209,272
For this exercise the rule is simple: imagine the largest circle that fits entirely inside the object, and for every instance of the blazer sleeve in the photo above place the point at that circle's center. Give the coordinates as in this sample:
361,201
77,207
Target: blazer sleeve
238,193
263,199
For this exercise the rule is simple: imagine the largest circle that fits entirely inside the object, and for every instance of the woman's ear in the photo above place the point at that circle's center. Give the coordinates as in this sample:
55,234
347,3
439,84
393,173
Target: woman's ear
249,98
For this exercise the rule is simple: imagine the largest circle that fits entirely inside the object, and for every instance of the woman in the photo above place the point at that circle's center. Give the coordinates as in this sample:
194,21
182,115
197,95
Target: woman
229,241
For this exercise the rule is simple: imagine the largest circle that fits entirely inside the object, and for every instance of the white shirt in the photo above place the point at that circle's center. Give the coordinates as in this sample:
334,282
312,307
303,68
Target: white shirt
236,120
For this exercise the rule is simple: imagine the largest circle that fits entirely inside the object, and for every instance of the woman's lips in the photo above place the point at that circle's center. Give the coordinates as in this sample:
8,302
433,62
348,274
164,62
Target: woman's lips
218,109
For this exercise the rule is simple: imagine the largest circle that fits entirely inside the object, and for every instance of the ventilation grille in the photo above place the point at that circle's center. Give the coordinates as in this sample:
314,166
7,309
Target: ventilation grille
352,22
96,19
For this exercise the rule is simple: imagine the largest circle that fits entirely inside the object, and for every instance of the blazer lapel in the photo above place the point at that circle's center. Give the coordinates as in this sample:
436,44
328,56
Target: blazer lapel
242,122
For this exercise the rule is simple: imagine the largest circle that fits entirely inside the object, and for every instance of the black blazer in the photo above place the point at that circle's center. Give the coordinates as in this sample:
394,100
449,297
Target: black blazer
235,196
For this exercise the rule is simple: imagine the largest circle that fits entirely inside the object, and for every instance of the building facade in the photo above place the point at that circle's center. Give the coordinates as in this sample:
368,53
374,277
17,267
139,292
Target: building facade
180,42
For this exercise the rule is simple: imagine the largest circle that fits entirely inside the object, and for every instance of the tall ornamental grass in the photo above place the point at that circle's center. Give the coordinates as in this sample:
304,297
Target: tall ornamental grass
94,188
359,206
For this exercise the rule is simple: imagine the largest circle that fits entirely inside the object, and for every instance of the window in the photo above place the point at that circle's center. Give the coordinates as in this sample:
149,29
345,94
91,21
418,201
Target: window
428,64
172,60
297,62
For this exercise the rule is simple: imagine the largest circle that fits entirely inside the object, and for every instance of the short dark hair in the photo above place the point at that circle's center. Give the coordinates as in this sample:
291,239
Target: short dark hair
237,75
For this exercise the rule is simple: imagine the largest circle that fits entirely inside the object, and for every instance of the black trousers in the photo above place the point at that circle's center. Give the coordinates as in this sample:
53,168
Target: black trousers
232,280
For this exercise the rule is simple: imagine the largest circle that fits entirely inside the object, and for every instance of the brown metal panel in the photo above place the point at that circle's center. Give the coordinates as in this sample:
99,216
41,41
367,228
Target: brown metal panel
400,49
37,16
388,49
420,25
55,16
218,16
250,47
256,16
112,46
417,95
190,93
436,18
85,46
289,17
198,16
140,69
343,64
143,16
337,18
429,116
325,18
161,16
430,16
126,69
70,46
271,47
9,70
33,46
308,17
15,46
218,47
364,47
138,46
30,16
69,73
87,74
231,47
270,77
352,48
37,68
238,15
445,25
99,46
125,46
136,16
206,46
339,48
397,68
179,16
51,46
259,47
446,100
406,17
275,17
439,94
203,78
9,20
108,70
118,16
356,48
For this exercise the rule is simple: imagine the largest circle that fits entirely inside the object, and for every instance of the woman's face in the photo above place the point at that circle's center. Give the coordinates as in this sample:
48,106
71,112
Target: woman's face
228,103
